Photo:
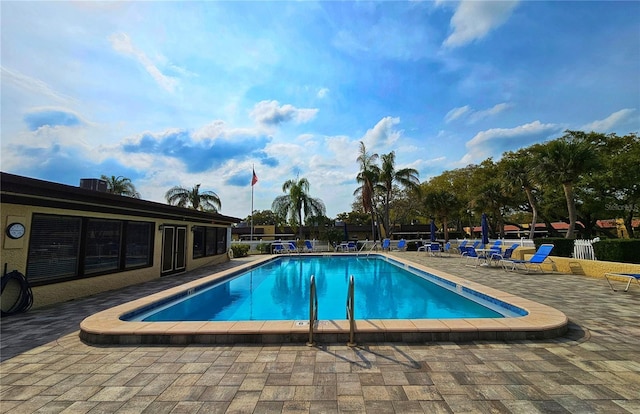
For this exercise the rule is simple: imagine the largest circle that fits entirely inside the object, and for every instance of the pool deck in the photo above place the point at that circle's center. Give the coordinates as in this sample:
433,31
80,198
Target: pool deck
594,367
109,328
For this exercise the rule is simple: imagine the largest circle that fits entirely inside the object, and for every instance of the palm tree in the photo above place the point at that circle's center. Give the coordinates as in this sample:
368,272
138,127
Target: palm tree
442,204
297,202
388,177
518,168
564,160
193,198
367,178
121,186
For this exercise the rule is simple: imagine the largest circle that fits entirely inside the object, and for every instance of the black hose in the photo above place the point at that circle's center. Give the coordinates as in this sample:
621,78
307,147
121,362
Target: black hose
25,298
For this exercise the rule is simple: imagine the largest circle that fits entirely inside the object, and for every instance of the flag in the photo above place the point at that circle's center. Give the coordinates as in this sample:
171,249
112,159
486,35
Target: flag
254,180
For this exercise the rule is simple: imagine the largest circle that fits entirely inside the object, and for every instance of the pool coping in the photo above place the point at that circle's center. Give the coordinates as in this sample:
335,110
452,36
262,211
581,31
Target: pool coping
540,322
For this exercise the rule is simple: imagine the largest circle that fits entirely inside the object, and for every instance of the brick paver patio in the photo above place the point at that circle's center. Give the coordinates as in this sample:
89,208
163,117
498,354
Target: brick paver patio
595,368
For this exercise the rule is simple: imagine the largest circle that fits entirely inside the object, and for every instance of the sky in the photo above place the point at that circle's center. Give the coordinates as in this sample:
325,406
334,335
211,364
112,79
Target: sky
186,93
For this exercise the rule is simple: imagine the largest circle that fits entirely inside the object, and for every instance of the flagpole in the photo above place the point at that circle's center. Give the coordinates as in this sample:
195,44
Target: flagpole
253,174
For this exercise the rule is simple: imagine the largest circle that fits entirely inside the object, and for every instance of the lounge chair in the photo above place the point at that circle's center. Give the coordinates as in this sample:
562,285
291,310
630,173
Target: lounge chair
402,245
630,276
506,255
308,247
540,256
447,248
385,244
352,246
278,248
471,255
435,249
461,246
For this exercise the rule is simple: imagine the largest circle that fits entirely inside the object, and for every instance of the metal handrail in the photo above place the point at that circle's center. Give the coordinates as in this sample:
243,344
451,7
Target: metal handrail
350,312
313,308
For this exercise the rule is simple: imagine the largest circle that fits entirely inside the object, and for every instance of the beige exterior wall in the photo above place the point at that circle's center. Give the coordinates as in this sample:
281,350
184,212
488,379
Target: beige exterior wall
14,254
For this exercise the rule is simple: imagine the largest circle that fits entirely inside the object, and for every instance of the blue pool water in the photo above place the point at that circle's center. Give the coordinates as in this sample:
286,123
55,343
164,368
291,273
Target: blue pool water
279,290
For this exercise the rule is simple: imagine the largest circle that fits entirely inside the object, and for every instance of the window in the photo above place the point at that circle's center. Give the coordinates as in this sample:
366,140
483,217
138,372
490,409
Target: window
53,247
207,240
198,242
211,241
138,244
67,247
222,240
102,251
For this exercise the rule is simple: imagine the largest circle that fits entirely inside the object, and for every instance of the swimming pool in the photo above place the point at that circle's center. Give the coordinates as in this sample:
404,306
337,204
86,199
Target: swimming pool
538,321
280,289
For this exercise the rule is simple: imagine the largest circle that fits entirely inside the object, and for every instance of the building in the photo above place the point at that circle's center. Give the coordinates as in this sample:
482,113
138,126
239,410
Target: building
71,242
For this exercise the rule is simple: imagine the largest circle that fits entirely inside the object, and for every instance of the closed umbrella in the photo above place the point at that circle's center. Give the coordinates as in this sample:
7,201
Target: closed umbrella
433,230
485,230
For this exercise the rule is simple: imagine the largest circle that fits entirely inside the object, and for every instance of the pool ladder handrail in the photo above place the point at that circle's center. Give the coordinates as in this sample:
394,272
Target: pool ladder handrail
375,246
350,312
313,308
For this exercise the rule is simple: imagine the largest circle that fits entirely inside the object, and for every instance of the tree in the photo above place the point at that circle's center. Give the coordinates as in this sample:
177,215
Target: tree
121,186
297,204
193,198
564,160
367,178
387,179
518,172
441,203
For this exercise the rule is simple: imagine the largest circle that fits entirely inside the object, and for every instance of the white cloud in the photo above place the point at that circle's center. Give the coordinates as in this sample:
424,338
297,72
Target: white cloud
610,122
456,113
493,142
32,85
382,133
322,93
496,109
472,115
474,19
121,43
271,113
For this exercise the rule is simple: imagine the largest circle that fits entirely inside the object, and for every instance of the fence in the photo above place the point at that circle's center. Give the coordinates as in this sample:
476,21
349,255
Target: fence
583,249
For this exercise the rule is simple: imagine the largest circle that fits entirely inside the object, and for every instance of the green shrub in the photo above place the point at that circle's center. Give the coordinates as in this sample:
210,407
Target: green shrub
618,250
264,248
240,250
561,247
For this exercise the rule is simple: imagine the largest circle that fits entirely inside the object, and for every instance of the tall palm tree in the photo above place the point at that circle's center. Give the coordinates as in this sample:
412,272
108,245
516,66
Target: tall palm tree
121,186
297,204
367,178
193,198
518,173
564,160
388,178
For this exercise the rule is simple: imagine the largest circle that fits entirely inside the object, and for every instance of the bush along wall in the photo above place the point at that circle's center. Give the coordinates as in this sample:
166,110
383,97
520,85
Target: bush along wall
618,250
240,250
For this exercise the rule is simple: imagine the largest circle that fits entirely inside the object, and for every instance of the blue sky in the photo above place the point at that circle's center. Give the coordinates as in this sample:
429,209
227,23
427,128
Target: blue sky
185,93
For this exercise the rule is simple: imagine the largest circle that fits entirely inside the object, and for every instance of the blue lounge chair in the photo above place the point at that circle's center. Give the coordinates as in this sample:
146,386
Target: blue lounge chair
385,244
461,246
534,263
352,246
402,245
506,255
435,249
630,276
447,247
308,247
471,255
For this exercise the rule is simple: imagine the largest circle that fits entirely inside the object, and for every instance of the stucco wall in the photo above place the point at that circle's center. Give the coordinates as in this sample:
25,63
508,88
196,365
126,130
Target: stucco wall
15,252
